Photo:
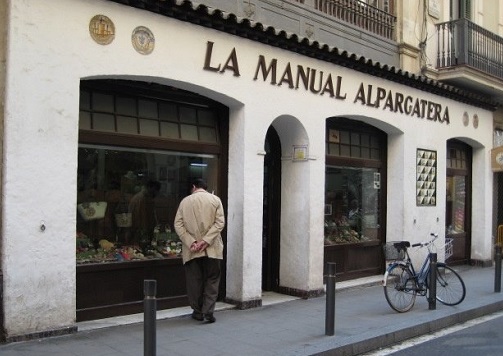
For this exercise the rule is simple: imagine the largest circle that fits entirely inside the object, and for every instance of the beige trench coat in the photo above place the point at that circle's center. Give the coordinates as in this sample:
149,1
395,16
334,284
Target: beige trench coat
200,216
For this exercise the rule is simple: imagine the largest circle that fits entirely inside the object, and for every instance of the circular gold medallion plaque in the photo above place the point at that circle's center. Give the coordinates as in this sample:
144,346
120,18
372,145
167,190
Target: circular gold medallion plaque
143,40
102,29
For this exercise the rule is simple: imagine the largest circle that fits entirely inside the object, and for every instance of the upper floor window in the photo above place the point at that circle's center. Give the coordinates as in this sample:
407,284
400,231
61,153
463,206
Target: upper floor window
384,5
461,9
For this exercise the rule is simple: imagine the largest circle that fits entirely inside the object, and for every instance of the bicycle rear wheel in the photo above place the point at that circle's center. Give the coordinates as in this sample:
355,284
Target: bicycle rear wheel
400,289
451,289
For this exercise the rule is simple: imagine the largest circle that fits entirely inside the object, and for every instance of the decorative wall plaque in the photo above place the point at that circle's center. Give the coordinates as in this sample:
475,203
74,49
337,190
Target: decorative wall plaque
426,177
102,29
143,40
300,152
475,120
466,119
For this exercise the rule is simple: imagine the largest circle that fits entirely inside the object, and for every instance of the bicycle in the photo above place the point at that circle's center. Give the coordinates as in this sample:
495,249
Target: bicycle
401,282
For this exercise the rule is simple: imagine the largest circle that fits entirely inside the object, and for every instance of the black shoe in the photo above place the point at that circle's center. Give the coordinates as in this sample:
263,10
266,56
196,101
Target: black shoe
210,318
197,316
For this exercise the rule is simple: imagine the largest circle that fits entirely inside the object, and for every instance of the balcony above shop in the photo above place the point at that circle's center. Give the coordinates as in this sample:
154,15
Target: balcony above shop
470,57
350,25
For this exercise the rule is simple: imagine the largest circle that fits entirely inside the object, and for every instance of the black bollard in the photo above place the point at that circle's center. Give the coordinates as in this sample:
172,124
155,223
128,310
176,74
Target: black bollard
149,311
497,269
432,298
330,301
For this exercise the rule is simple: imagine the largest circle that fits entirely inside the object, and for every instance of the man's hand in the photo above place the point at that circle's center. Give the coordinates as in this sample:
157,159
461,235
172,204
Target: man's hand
198,246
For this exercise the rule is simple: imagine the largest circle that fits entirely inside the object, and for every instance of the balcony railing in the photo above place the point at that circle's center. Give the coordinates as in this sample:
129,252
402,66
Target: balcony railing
461,42
360,14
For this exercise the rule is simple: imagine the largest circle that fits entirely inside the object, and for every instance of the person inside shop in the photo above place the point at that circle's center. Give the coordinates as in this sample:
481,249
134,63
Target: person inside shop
354,215
142,209
199,222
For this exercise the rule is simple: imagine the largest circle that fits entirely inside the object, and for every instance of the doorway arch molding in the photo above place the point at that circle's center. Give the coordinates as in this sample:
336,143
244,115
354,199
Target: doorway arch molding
301,225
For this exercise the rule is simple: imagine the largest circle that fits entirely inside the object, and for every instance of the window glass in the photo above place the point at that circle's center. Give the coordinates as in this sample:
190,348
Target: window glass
351,205
149,127
352,143
126,106
103,122
345,150
84,120
344,137
167,112
365,153
127,200
147,117
207,118
85,100
188,115
188,132
456,201
355,138
127,125
147,109
333,149
103,102
365,140
207,134
169,130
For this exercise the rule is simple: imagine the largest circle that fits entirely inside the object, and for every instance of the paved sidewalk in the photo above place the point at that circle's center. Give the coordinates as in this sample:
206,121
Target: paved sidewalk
363,322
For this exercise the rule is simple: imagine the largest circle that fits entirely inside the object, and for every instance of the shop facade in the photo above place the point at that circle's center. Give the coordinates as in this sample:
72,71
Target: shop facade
318,157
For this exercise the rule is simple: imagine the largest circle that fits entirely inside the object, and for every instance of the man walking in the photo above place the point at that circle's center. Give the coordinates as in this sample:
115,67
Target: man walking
199,221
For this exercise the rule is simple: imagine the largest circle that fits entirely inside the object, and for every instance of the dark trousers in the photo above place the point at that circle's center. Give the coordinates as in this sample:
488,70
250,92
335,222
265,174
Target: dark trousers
203,280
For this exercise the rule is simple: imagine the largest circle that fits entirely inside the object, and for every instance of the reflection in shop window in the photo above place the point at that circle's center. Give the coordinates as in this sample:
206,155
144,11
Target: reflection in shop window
351,205
127,200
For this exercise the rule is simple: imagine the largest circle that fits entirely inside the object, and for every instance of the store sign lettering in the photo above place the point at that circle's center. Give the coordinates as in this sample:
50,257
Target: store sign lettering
397,102
320,83
308,78
230,64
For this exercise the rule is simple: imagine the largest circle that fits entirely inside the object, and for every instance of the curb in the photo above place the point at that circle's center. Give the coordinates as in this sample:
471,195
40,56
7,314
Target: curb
386,340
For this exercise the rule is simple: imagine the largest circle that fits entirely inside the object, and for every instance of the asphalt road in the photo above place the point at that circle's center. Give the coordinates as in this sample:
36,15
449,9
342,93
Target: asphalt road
483,336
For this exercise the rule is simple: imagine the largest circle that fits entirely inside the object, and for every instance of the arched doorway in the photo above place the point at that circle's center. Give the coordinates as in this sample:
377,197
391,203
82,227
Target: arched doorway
458,200
271,211
135,135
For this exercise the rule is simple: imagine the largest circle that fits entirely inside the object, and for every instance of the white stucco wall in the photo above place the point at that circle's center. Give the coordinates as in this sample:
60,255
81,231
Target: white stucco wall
50,51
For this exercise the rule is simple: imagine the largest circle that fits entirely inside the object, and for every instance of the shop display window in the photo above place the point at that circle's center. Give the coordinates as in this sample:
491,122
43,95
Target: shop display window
351,205
127,200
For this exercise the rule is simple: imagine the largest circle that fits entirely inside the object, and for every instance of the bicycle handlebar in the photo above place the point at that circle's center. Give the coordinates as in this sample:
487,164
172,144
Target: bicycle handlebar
422,244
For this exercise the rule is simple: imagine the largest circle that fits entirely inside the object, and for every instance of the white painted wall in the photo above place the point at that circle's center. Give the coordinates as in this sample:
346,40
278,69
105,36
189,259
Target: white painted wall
50,51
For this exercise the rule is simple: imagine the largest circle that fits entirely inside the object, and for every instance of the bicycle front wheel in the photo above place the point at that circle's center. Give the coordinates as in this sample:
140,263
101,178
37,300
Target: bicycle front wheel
400,289
451,289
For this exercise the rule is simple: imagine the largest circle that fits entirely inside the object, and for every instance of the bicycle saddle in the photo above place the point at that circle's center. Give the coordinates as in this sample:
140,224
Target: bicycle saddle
401,245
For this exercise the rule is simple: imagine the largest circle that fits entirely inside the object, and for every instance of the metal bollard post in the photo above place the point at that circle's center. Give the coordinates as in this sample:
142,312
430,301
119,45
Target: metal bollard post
149,310
497,269
330,301
432,298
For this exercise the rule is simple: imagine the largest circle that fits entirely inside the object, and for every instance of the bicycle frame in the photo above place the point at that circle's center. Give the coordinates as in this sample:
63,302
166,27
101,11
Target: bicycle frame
423,272
420,277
